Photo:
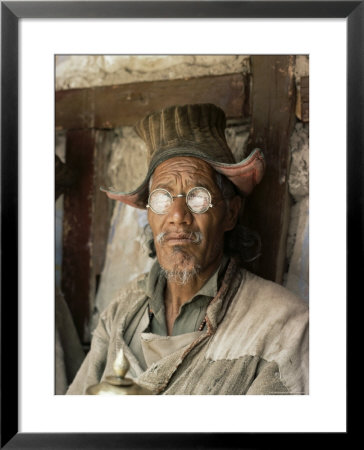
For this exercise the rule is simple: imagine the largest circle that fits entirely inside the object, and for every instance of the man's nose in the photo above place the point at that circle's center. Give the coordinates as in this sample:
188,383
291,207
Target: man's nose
179,212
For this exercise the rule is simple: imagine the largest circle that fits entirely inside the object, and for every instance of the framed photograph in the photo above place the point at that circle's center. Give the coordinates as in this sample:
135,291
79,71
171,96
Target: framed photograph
33,34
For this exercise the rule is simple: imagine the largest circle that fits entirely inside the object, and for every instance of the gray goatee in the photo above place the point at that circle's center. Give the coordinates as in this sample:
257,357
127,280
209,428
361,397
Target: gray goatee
179,274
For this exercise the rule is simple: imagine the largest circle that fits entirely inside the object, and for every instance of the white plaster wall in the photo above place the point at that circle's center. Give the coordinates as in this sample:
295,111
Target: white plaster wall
301,67
297,277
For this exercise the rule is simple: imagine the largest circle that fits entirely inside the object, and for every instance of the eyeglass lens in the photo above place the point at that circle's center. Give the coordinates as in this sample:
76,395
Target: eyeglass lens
198,200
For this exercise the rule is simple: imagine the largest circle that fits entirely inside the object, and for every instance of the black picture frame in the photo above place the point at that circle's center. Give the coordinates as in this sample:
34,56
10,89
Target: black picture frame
11,13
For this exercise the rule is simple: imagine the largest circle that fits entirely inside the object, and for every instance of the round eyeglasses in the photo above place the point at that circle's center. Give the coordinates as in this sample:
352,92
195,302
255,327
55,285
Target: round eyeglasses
198,200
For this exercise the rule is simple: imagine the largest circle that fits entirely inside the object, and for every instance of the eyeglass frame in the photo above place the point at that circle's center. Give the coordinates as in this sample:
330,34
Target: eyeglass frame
179,196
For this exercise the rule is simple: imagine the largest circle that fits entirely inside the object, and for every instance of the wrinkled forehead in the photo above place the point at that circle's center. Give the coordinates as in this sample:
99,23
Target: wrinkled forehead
188,171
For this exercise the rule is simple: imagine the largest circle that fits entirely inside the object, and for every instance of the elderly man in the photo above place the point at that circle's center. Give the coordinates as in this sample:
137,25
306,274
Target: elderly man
199,323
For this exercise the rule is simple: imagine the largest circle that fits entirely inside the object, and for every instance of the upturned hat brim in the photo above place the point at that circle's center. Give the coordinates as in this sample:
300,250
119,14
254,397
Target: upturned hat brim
245,175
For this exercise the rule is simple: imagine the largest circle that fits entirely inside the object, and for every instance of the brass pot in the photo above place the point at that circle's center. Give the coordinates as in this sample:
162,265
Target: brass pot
117,384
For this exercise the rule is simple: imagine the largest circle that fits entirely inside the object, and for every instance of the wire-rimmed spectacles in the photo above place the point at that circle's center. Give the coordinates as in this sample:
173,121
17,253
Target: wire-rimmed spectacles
198,200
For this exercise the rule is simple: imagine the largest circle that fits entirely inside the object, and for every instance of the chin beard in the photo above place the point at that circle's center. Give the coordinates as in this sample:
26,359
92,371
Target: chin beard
182,271
181,277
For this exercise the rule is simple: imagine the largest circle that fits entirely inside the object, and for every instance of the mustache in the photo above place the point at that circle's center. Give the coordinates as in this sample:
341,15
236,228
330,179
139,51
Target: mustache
195,237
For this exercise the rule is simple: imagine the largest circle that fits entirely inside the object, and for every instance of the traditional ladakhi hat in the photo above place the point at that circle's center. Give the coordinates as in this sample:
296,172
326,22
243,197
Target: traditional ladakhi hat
191,130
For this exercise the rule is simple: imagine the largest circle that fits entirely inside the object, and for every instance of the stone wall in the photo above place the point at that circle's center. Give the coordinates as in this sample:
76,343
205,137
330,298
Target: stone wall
106,70
127,165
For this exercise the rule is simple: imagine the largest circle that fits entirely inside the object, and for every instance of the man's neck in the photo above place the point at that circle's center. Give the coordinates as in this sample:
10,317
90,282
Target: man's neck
176,294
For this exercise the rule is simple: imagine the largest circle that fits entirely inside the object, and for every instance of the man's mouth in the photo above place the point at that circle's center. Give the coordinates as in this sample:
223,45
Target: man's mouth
180,238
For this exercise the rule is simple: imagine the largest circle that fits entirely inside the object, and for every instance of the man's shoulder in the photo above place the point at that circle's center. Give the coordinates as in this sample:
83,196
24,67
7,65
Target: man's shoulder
264,318
136,285
268,294
127,297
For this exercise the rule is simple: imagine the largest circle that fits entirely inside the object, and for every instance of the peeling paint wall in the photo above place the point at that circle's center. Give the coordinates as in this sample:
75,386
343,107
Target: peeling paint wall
127,165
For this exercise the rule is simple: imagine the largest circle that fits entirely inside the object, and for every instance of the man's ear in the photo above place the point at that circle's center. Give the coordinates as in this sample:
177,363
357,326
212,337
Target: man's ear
232,213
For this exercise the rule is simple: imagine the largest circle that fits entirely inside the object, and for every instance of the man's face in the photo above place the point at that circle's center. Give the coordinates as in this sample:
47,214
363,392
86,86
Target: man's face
186,241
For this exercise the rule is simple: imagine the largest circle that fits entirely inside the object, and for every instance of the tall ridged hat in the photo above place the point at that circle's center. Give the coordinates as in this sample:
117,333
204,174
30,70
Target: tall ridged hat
191,130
